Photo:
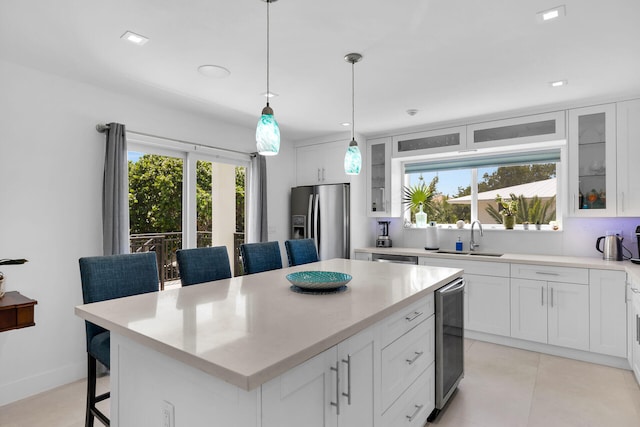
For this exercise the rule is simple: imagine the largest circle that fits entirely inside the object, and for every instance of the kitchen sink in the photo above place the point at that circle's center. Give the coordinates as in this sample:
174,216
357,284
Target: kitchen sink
486,254
490,254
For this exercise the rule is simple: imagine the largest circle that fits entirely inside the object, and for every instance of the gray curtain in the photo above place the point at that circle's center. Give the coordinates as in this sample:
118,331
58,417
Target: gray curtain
115,193
257,230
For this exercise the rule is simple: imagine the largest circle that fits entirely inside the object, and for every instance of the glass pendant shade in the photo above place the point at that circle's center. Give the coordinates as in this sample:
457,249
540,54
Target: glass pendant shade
267,134
352,159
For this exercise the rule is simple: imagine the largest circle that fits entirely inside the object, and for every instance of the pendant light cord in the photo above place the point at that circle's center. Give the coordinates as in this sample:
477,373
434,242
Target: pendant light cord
268,2
353,102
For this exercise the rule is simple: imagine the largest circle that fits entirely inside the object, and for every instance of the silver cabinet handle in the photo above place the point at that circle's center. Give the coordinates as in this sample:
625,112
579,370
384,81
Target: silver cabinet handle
318,174
635,291
542,295
348,393
337,402
323,177
415,413
547,273
413,316
417,355
552,297
638,328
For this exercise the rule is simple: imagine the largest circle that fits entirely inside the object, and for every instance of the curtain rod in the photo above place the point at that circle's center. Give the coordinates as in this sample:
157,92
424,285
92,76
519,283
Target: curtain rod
102,128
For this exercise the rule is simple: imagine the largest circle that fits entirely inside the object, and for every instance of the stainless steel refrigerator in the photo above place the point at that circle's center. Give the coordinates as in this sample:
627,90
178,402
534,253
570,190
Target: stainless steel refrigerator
321,213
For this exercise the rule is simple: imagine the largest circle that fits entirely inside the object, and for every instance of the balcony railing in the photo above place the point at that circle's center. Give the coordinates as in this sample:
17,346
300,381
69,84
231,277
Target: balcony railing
165,246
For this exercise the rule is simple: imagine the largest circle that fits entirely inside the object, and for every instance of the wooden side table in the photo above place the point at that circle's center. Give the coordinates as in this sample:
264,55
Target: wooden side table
16,311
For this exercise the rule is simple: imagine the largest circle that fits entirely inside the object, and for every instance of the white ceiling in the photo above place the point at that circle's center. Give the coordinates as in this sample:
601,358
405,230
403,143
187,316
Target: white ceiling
449,59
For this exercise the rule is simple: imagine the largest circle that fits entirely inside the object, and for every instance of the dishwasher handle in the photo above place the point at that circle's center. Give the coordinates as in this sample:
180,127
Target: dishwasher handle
455,286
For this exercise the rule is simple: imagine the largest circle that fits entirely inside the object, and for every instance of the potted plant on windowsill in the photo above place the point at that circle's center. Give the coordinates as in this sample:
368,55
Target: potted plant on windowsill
508,210
417,199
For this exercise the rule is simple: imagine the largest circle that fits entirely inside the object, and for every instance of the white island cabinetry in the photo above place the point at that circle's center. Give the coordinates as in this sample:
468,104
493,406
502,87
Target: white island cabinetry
249,352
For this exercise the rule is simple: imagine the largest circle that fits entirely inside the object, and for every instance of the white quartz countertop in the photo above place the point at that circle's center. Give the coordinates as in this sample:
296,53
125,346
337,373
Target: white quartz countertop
558,260
250,329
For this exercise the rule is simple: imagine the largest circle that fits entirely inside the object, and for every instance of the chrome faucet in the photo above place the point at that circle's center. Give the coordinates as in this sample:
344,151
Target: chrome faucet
472,244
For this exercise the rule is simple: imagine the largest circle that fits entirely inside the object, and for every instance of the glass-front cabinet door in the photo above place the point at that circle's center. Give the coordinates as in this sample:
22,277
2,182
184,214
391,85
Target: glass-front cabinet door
378,177
592,161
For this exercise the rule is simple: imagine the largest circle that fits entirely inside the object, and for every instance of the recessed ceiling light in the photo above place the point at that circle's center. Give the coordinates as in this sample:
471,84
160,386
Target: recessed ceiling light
215,71
345,124
551,14
134,38
558,83
269,94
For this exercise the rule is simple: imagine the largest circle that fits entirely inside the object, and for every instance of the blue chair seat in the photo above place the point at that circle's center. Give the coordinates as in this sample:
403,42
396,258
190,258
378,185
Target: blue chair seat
301,251
99,347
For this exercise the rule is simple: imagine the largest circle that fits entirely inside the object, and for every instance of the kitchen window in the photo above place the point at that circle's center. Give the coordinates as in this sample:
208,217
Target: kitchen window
466,187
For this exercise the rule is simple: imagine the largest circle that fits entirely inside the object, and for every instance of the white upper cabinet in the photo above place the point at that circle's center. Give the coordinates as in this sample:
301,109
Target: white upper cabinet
321,163
379,177
430,142
592,161
518,130
628,147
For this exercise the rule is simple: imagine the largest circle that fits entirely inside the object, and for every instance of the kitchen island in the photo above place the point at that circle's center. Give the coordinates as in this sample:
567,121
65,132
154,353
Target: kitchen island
248,351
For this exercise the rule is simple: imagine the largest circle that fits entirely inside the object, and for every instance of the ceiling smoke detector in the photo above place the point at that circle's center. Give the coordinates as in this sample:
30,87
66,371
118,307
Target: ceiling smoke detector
412,112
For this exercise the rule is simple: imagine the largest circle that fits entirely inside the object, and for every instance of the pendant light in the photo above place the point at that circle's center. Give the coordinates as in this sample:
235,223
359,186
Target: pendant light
267,131
353,158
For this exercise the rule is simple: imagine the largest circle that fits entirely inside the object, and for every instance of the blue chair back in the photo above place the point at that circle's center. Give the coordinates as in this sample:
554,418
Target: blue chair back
203,265
257,257
116,276
301,251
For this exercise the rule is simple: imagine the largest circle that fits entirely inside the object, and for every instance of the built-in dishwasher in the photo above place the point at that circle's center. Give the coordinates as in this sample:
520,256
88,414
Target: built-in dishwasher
398,259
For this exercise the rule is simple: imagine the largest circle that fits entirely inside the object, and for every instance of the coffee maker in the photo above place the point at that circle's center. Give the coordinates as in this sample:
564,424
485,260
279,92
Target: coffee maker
383,240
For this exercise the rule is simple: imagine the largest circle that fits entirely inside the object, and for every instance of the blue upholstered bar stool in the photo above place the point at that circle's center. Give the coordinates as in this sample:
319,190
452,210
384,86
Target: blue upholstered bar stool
104,278
301,251
203,265
257,257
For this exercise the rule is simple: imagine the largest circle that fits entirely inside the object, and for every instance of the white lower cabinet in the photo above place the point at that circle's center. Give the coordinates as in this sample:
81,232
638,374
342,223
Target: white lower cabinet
487,304
608,312
550,312
635,336
486,295
404,360
415,405
361,381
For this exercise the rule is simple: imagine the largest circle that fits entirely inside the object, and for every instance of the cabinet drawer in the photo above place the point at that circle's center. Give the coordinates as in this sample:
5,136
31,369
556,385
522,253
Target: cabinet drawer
415,404
485,268
404,320
404,360
550,273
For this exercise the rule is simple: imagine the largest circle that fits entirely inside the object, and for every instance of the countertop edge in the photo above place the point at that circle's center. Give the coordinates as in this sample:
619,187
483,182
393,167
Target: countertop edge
556,260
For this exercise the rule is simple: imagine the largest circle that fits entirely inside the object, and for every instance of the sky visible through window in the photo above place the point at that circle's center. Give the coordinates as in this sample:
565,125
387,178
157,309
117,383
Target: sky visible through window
134,156
449,181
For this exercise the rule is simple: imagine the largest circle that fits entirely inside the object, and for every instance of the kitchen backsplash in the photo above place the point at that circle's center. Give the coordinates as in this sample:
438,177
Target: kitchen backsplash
578,237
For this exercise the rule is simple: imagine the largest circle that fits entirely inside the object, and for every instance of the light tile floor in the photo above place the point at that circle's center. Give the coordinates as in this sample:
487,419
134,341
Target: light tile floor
503,387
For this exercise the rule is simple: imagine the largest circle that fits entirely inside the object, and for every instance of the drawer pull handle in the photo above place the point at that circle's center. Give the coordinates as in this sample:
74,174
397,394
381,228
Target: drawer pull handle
415,413
417,354
547,273
635,291
413,316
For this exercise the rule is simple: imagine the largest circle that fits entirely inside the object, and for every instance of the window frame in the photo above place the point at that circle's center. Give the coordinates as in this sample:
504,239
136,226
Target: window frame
562,167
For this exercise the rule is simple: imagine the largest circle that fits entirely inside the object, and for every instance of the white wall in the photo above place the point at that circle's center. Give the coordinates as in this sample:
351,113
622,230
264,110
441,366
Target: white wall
51,166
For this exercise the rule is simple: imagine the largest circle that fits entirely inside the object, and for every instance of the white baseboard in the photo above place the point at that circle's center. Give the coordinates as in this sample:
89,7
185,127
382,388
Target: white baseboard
41,382
585,356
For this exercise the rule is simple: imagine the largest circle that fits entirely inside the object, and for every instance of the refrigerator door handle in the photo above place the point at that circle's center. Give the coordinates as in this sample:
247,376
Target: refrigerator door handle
316,212
308,234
